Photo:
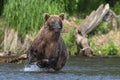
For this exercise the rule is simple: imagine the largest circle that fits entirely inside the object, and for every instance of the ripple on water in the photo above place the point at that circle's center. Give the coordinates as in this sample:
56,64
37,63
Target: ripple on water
75,69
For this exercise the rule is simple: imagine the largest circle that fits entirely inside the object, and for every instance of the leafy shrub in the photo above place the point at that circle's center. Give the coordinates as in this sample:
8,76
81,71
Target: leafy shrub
70,42
116,8
79,7
1,6
92,42
103,28
110,49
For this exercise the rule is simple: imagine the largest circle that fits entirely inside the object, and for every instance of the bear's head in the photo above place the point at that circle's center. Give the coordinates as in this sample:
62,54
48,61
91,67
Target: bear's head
53,22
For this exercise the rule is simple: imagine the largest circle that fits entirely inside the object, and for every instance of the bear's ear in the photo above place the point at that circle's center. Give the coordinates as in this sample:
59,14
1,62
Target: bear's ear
61,16
46,16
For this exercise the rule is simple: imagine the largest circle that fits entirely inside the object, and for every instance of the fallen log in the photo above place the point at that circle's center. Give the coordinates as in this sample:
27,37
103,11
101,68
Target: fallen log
12,58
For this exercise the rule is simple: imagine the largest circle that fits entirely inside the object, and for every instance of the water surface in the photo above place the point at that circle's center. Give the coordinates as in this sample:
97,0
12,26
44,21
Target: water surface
77,68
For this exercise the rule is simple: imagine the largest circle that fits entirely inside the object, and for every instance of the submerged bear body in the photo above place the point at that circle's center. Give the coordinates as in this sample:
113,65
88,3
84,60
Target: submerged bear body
48,49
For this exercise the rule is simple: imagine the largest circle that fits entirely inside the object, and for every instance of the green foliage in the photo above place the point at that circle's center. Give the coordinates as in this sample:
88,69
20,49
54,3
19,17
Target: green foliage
116,8
1,33
71,42
84,7
110,49
1,6
26,16
81,6
101,29
2,23
92,42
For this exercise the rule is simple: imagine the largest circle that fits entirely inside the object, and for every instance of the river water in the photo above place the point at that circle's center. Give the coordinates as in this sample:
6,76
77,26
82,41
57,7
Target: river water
76,68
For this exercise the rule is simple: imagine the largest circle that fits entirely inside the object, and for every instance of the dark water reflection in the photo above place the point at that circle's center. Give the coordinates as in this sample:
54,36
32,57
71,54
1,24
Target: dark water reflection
76,69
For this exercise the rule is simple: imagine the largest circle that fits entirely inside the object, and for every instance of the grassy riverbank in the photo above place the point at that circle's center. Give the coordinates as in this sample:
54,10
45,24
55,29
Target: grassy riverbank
26,17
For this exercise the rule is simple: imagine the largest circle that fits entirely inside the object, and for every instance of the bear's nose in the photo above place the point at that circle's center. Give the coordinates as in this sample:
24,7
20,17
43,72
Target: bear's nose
59,27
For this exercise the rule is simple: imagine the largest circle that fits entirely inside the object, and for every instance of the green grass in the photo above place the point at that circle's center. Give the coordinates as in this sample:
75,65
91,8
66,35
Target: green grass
102,28
26,16
2,23
110,49
1,33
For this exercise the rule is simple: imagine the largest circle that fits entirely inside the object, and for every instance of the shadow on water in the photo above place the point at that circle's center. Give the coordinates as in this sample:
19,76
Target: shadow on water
76,69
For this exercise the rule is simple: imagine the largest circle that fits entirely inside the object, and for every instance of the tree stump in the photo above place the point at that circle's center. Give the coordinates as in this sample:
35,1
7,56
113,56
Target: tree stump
13,43
103,13
11,40
83,42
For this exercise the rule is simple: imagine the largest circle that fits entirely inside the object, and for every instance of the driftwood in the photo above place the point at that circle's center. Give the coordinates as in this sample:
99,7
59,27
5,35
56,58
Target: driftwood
92,21
103,13
83,42
10,40
13,43
112,19
9,58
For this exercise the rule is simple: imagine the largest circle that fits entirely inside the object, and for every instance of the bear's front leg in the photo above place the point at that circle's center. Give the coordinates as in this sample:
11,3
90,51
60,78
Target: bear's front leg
60,63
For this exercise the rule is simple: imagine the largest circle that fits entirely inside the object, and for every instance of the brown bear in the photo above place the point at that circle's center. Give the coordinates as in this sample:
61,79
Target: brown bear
48,49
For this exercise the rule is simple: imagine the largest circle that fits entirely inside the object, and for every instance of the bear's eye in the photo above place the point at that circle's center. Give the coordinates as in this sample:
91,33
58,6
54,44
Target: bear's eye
53,22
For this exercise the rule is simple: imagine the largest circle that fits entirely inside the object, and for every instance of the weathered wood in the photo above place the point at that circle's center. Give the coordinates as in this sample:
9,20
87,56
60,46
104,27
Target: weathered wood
83,42
5,58
18,58
13,43
92,21
99,18
112,19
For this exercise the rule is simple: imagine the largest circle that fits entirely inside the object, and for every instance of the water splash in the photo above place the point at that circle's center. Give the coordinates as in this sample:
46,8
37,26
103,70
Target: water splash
32,68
